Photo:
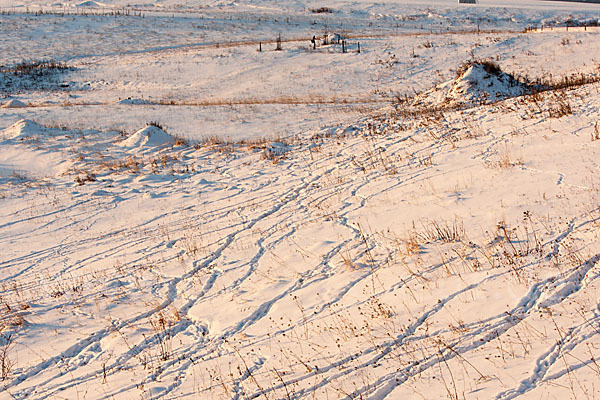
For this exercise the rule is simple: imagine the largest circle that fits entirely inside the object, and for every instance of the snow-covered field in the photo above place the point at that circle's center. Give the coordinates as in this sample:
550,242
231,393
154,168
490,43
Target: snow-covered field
184,216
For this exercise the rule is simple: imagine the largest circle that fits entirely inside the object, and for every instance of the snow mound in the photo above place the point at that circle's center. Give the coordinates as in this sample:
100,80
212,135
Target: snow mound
149,136
89,4
26,128
134,101
14,103
475,84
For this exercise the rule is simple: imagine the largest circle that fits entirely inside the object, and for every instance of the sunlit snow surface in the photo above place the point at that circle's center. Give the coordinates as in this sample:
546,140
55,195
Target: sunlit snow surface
184,216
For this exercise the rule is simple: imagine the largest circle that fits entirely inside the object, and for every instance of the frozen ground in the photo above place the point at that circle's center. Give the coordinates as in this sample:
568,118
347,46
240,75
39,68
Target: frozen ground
289,226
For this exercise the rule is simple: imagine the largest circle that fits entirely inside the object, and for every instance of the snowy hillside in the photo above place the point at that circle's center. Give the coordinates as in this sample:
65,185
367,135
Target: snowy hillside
197,219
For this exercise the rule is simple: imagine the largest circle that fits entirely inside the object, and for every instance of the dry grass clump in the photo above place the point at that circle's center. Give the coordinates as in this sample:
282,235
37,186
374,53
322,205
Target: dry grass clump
490,66
572,81
11,319
6,364
596,133
445,232
559,107
34,75
162,336
505,159
83,179
35,68
274,150
321,10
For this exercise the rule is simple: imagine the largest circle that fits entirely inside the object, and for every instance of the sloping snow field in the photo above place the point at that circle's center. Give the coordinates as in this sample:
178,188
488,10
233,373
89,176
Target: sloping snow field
184,216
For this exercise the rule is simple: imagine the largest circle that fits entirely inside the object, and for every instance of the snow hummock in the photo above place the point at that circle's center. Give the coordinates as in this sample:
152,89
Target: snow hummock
149,136
475,84
14,103
89,4
25,128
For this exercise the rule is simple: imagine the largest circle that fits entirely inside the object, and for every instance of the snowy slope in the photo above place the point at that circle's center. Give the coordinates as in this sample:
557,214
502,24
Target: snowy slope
365,262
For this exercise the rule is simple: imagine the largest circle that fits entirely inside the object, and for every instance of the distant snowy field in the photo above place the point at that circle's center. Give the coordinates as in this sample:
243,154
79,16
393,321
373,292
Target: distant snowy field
184,216
203,58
